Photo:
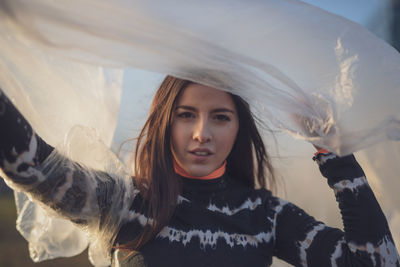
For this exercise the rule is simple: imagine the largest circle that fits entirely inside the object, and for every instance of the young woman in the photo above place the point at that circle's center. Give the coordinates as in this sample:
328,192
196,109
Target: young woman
198,160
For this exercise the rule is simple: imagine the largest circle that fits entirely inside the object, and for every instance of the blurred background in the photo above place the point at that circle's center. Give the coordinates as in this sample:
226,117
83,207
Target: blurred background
382,17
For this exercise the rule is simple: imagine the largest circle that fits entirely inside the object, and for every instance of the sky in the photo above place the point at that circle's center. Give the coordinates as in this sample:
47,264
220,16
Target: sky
357,10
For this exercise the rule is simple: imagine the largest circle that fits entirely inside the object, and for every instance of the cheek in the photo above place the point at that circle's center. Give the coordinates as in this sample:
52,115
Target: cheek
177,137
174,138
227,139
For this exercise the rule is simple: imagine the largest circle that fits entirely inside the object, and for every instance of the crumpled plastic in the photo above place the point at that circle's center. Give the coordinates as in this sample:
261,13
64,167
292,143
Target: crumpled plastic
67,64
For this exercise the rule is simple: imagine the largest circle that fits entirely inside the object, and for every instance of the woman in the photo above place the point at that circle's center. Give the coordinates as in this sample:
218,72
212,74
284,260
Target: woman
197,162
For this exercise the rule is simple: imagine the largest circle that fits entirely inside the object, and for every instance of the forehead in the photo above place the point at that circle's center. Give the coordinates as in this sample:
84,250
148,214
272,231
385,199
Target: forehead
204,96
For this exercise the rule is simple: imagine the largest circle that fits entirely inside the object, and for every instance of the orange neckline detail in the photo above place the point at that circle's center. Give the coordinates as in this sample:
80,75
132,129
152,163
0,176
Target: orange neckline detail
321,151
215,174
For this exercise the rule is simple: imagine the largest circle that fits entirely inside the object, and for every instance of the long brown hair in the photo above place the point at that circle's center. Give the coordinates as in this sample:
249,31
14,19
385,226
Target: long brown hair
248,162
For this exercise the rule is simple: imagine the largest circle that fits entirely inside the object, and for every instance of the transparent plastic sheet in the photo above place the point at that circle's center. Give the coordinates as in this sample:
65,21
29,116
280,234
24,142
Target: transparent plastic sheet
257,49
107,177
46,241
95,198
288,59
55,94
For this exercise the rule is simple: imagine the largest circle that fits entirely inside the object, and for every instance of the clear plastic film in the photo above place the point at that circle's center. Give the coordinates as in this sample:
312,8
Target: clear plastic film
294,57
96,199
55,94
46,241
101,195
292,62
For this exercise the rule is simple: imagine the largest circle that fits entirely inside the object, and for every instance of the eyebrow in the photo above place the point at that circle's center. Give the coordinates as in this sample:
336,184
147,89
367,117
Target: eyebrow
216,110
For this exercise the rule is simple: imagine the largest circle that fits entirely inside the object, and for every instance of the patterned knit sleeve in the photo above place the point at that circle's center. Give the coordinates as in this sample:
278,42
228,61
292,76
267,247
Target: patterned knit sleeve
366,239
29,164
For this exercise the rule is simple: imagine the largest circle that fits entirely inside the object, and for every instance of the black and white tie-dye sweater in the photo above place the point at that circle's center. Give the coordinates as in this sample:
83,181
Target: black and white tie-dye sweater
216,222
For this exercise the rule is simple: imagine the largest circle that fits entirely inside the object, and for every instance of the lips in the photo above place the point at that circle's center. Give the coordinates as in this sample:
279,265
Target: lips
202,152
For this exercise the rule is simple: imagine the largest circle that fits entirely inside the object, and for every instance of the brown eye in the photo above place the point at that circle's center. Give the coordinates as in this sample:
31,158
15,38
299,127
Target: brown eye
185,115
222,117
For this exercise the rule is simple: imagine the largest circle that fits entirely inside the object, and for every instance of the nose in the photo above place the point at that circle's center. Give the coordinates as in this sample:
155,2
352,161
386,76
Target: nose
202,131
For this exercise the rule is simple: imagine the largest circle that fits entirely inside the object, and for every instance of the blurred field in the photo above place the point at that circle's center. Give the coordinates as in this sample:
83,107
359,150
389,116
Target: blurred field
14,248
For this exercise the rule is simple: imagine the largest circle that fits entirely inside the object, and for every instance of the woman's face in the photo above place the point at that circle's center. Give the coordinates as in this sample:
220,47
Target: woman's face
204,128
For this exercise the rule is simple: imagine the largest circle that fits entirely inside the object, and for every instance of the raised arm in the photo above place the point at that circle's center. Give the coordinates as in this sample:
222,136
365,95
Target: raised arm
28,164
366,240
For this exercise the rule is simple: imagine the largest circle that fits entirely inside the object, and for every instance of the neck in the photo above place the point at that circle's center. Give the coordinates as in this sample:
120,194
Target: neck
213,175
